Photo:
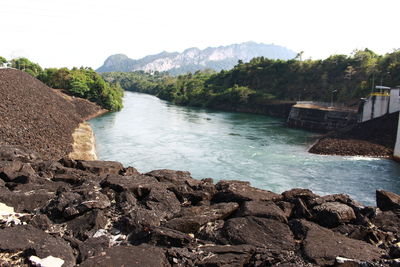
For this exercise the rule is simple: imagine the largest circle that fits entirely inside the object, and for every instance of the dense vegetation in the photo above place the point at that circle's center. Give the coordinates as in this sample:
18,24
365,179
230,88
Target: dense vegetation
262,81
82,82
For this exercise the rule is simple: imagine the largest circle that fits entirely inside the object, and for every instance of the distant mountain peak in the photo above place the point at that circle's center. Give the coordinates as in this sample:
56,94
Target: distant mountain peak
193,59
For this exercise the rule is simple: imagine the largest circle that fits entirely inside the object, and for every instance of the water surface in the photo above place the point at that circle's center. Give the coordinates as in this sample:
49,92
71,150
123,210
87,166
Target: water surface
151,134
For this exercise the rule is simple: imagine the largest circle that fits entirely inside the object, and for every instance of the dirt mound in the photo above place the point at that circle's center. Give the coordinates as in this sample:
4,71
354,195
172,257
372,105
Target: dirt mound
38,117
375,138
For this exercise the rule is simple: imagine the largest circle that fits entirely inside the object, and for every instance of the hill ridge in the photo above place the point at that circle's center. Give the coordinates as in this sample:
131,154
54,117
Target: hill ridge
193,59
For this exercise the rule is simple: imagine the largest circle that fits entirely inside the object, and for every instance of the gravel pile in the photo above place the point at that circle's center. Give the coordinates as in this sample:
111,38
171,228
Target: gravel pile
37,117
375,138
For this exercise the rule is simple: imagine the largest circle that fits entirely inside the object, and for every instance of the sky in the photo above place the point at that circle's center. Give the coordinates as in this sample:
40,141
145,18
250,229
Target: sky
67,33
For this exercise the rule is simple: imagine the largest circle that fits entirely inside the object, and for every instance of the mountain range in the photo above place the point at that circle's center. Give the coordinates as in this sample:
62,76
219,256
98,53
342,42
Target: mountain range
194,59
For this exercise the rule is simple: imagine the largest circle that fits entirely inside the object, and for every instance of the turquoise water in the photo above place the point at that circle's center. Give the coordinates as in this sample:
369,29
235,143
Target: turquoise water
151,134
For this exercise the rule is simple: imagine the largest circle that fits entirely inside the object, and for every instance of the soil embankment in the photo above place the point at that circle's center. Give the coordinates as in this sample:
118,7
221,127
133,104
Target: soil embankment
37,117
374,138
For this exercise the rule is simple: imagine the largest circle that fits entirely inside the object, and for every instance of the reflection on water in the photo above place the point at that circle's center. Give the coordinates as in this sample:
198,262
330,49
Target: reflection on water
152,134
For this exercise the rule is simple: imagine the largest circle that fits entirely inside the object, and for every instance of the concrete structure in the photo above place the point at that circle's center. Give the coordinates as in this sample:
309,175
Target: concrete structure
320,116
396,154
380,103
394,103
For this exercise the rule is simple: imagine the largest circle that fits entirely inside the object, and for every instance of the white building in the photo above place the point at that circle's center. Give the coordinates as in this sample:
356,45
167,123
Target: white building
386,101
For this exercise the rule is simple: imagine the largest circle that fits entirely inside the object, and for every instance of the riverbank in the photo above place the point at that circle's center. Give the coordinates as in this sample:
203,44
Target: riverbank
84,145
97,213
37,117
374,138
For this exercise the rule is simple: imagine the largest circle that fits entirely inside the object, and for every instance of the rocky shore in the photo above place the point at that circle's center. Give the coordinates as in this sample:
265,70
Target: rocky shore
374,138
97,213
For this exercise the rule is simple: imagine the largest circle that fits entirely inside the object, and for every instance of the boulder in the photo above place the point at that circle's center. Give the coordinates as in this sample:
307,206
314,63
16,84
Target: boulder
69,204
135,256
130,171
386,200
189,191
239,191
259,232
368,234
331,214
9,169
26,237
100,167
28,201
174,177
304,194
137,219
387,221
286,207
265,209
140,185
75,176
163,202
212,231
342,198
92,247
267,257
16,171
238,255
162,237
126,201
322,246
19,153
86,225
41,221
300,210
191,219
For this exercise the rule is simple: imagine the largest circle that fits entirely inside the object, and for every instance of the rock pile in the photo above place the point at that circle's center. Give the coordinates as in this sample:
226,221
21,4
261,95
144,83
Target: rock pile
38,117
102,214
374,138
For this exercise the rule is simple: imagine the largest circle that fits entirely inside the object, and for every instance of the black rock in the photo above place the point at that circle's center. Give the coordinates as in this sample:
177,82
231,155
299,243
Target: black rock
259,232
239,191
135,256
386,200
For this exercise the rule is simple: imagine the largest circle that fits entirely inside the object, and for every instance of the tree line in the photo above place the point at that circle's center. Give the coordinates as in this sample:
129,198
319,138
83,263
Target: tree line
263,81
82,82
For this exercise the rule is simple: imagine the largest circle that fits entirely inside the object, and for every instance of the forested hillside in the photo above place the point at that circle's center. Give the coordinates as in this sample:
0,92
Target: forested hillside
261,81
82,82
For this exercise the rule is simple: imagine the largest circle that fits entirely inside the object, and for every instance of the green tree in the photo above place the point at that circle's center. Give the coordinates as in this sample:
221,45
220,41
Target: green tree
27,66
2,60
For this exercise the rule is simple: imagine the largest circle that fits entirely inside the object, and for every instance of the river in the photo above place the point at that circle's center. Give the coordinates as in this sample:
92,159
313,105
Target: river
150,134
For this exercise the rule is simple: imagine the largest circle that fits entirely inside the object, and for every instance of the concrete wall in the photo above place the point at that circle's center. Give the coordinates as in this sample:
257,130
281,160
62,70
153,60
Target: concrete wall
394,105
375,106
396,154
379,105
320,119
